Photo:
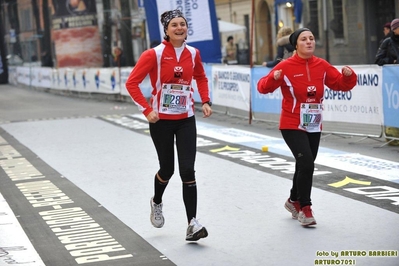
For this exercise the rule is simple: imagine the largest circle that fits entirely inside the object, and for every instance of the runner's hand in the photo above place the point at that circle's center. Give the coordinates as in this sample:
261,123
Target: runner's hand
346,71
206,110
152,117
277,74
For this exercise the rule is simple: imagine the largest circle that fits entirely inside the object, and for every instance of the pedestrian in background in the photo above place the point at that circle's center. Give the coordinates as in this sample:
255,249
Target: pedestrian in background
388,52
284,47
118,58
172,65
47,61
231,51
386,30
302,78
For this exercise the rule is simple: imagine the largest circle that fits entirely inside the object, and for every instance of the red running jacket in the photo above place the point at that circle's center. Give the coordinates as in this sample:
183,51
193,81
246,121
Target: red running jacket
302,81
162,66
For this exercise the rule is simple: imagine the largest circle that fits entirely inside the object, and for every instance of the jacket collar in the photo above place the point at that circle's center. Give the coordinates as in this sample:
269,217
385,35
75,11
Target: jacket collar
302,60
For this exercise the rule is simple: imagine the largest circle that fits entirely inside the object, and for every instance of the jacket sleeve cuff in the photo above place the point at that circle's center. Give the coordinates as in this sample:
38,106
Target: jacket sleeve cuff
147,111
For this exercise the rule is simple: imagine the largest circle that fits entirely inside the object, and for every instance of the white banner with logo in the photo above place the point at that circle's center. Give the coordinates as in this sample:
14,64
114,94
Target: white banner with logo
145,85
231,86
101,80
363,104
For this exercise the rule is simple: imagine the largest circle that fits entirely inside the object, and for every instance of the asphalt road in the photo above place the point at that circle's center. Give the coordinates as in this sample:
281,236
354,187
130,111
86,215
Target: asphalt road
24,104
75,181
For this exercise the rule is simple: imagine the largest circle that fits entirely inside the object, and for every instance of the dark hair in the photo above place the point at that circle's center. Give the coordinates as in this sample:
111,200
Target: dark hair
294,36
230,38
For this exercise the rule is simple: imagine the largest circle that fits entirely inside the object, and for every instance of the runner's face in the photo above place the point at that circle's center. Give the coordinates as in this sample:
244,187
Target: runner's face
177,31
306,44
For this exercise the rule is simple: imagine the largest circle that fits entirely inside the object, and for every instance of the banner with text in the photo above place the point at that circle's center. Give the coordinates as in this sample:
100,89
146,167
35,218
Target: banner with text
75,33
203,30
390,95
362,104
231,86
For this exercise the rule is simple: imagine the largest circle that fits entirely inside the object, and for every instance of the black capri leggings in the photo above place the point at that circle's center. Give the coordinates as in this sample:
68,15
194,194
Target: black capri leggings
304,146
163,135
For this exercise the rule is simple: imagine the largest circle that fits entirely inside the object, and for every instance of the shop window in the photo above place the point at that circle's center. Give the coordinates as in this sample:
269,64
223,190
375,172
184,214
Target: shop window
25,19
337,23
313,24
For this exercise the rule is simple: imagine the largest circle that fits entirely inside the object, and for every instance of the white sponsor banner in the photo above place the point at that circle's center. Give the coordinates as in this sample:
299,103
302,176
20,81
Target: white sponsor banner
63,78
197,15
23,76
57,79
363,104
41,77
13,75
360,164
103,80
145,85
125,72
231,86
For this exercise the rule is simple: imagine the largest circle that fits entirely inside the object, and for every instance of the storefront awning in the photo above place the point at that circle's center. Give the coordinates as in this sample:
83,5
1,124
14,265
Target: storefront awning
228,27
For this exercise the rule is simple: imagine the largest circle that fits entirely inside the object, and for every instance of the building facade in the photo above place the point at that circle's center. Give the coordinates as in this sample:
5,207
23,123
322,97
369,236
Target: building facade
346,31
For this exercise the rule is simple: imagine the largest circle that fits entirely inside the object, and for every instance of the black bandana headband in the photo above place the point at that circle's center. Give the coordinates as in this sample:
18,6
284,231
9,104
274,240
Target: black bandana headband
167,16
294,36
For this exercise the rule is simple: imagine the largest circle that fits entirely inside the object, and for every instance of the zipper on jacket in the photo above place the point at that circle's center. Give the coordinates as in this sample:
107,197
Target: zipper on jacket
307,69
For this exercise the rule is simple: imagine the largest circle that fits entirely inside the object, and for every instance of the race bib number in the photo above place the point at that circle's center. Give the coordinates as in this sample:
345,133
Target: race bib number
311,117
175,99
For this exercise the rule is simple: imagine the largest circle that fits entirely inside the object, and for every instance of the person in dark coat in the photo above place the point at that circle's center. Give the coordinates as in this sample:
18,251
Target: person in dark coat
388,52
386,30
118,59
47,60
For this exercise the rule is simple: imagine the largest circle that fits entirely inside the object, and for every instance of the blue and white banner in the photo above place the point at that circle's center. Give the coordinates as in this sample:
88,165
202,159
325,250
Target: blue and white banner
264,103
390,95
203,30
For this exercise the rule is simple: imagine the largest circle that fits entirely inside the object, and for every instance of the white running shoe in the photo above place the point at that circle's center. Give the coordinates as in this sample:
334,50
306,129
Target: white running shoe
156,215
293,207
305,216
195,231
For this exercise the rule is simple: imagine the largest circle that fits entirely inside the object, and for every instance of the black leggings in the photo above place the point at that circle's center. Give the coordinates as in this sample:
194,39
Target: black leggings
163,135
304,146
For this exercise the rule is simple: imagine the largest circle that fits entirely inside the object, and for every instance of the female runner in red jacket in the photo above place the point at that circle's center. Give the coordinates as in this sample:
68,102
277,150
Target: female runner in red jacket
302,78
171,66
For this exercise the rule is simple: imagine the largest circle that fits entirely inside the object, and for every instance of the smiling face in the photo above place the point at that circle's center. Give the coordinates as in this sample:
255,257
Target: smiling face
177,31
306,44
